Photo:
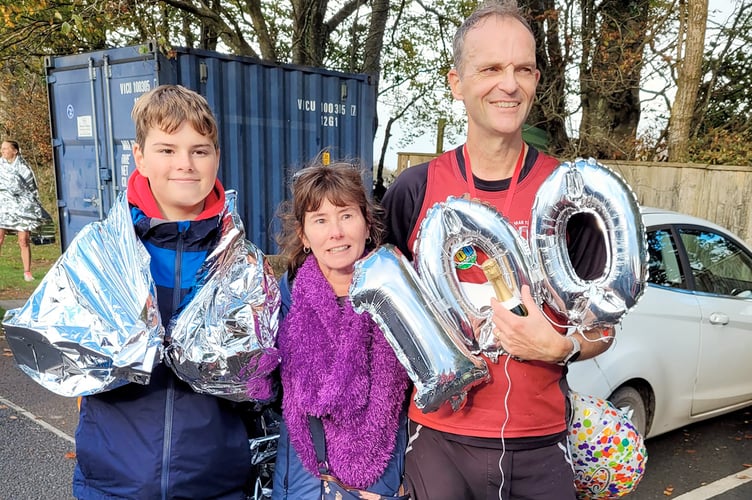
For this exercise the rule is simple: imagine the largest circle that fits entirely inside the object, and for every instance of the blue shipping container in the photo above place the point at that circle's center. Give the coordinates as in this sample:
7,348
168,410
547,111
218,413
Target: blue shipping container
272,118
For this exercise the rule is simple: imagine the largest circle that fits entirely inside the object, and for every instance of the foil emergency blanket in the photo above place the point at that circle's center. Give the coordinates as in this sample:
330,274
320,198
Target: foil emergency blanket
92,324
20,208
223,341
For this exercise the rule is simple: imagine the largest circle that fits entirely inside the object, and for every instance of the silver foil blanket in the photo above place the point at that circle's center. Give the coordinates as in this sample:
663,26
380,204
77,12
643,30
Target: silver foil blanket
222,342
92,324
20,208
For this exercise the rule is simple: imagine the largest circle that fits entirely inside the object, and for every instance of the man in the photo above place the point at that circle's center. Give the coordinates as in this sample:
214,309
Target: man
509,439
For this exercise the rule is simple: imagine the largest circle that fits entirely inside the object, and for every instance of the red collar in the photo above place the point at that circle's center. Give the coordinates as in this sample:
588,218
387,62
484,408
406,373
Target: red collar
140,195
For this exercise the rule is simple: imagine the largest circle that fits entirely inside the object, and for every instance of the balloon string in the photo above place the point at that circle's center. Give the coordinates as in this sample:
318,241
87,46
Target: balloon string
504,424
567,326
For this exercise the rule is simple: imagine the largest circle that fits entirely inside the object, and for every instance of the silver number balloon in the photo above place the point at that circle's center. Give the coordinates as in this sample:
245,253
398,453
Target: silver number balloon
586,186
447,228
426,342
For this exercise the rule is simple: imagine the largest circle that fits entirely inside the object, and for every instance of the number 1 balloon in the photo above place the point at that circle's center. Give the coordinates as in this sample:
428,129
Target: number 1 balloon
426,342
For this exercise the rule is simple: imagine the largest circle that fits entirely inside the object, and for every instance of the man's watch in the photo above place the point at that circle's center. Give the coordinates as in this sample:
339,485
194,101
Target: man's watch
573,354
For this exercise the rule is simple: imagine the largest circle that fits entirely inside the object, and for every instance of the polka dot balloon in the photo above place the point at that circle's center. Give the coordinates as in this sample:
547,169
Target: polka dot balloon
608,454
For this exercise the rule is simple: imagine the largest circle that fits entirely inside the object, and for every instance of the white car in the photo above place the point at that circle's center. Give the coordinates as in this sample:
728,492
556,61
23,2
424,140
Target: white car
684,352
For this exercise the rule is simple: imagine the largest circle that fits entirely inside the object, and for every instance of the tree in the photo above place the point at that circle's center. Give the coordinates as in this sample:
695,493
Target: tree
600,50
721,131
39,27
23,117
613,33
417,57
549,111
690,48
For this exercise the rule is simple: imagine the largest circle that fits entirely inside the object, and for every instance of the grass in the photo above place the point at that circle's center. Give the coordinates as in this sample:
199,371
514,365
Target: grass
12,284
278,263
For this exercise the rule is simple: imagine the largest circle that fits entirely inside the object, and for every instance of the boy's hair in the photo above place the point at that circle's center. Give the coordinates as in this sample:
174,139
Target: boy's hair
496,8
169,107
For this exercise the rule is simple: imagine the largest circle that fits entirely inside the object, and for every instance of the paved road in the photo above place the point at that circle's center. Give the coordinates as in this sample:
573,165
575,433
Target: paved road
687,459
36,437
34,460
711,459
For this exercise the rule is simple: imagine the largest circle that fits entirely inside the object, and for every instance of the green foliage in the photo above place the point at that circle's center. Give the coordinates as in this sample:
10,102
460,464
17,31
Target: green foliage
24,118
414,60
40,27
536,137
722,129
722,146
12,284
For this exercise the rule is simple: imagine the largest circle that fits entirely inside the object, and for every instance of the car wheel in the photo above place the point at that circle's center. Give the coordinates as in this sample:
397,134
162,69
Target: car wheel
628,399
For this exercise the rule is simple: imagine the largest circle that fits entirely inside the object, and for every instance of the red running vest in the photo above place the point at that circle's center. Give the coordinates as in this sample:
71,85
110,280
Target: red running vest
535,400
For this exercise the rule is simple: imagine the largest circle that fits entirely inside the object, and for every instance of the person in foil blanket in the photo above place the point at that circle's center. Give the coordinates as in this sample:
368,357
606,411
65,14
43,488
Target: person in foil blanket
20,209
163,440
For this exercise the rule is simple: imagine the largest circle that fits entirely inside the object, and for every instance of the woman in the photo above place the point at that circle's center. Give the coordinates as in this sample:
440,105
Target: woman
20,209
337,367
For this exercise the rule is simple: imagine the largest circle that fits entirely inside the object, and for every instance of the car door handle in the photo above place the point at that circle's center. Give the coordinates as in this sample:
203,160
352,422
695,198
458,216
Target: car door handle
718,319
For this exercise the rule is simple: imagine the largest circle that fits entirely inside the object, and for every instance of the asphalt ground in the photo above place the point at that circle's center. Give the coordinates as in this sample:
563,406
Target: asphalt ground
37,450
710,459
38,463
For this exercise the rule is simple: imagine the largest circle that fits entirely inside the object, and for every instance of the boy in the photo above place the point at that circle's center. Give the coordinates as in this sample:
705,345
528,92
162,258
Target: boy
163,440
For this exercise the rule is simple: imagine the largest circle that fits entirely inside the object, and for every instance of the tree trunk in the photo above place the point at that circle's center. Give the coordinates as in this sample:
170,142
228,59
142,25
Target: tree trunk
549,110
209,36
309,32
375,38
695,15
261,26
613,35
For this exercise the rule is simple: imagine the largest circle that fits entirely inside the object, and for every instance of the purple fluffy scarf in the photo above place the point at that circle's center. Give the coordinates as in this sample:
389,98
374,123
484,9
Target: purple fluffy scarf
337,365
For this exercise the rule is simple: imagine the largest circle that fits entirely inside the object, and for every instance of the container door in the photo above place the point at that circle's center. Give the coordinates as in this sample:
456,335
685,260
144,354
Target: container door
75,134
90,100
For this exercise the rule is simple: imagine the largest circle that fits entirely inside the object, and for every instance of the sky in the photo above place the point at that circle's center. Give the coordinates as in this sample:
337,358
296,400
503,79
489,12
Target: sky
719,11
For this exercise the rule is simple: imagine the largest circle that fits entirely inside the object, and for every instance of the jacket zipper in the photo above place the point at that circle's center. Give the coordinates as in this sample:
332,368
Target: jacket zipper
170,394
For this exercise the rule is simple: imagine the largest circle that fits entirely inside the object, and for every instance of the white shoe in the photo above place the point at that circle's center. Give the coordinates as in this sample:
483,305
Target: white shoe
28,277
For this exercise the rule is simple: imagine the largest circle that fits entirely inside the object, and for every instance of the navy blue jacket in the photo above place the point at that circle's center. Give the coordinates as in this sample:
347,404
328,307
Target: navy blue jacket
163,440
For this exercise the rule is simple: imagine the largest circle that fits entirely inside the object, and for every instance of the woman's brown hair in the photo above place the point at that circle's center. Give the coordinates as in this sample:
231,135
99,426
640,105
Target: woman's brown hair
340,183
